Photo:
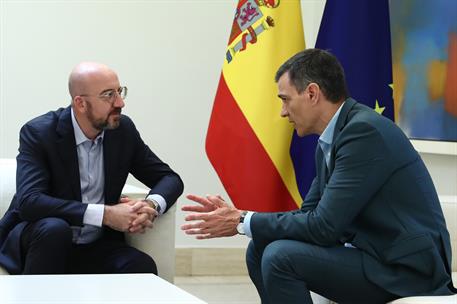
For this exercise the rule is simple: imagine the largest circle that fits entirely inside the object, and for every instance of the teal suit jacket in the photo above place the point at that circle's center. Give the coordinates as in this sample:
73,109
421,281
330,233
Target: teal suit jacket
378,195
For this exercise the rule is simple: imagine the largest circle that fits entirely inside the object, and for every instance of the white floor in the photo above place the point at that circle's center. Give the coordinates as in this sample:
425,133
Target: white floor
220,289
227,289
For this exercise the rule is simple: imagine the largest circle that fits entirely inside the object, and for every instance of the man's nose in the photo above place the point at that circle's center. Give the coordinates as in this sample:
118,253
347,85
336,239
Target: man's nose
119,102
284,112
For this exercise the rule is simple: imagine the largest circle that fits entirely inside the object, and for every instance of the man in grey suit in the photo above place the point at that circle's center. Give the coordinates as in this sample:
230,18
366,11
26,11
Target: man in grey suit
370,229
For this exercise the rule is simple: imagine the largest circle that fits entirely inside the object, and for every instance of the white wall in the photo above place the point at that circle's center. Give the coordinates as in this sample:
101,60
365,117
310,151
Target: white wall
169,53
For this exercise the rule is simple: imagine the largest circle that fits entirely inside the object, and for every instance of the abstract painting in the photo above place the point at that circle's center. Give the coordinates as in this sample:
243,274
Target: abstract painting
424,54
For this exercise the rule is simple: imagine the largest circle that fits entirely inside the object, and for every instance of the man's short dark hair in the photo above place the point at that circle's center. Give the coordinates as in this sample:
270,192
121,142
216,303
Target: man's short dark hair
318,66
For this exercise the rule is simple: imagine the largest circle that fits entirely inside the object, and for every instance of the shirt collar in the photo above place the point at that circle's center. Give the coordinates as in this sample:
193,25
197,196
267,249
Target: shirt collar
79,134
327,136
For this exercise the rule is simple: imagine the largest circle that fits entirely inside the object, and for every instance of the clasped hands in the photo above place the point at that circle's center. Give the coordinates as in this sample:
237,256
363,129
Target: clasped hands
130,215
211,218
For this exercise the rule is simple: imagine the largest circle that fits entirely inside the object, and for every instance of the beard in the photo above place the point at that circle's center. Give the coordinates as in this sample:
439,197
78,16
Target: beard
108,123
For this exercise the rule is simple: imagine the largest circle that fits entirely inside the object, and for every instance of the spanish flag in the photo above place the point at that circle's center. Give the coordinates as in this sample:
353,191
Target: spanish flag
248,143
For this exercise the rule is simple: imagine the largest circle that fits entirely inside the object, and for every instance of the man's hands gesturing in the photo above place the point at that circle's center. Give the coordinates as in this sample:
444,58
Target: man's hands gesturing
213,217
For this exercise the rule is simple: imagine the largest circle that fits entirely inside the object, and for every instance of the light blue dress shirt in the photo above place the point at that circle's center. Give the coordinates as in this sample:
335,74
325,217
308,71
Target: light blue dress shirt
325,142
92,178
326,139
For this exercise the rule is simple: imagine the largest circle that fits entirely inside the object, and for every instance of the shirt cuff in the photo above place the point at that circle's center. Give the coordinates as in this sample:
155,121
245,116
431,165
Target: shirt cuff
94,215
160,200
247,224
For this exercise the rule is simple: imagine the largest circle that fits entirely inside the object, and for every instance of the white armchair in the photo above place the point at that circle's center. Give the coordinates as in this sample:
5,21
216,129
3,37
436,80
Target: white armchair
159,242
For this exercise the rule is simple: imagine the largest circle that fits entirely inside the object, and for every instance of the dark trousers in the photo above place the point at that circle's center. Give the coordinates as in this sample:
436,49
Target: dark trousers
286,271
47,248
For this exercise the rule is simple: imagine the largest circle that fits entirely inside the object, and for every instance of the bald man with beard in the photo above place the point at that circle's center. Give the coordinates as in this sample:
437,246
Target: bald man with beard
67,215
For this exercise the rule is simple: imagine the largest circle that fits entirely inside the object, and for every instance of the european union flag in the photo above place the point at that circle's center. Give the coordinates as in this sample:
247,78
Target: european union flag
357,32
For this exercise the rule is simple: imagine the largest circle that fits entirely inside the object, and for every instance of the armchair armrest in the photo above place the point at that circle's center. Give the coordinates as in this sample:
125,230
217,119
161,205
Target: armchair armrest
158,242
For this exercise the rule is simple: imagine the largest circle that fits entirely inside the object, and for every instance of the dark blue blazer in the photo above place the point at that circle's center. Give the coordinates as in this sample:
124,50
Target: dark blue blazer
48,182
378,195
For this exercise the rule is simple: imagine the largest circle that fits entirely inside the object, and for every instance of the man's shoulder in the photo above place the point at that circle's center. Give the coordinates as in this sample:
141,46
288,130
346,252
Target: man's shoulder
364,121
46,125
46,120
362,114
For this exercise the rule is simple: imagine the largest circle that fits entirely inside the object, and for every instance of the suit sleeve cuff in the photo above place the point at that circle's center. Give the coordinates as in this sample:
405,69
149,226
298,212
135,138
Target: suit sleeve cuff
160,200
247,224
94,215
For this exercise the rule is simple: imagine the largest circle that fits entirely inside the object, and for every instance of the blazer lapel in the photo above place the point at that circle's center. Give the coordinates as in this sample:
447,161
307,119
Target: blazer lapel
321,169
343,118
340,123
66,146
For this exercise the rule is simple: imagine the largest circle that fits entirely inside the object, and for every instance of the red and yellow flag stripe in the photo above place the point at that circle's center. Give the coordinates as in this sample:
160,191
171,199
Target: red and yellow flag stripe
248,142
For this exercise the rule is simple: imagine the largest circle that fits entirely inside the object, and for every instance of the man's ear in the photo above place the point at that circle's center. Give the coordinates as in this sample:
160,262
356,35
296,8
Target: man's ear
79,104
313,92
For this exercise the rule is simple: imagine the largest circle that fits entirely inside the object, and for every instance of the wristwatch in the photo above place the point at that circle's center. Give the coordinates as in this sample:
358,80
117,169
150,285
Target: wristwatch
155,205
240,226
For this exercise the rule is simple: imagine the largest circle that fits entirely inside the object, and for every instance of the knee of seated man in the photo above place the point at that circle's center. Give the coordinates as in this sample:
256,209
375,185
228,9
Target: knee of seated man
53,229
252,255
276,257
138,262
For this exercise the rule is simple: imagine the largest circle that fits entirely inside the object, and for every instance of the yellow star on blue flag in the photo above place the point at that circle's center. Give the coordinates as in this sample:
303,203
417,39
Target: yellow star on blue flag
379,109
